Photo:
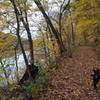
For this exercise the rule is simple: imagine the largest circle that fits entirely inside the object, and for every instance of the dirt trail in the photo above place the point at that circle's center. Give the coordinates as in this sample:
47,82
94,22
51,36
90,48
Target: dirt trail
72,81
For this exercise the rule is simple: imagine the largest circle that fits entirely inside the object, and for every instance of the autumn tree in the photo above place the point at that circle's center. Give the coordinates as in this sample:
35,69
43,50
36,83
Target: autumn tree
50,24
86,15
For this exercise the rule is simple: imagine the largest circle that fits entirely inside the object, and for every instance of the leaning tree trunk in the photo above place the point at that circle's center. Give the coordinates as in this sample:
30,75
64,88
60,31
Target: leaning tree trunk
55,32
31,69
26,26
17,31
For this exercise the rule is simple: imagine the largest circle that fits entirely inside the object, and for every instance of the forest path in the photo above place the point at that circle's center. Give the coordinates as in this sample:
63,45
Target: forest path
72,80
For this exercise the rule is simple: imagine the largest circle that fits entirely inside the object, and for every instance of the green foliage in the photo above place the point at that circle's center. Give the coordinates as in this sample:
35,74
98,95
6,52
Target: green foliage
53,67
70,50
17,98
7,42
39,83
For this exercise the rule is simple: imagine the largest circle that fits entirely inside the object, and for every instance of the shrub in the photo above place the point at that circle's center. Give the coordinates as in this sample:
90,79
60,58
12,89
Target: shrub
39,83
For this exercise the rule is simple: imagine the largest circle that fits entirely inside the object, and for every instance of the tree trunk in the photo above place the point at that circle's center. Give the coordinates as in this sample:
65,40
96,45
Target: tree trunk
16,61
17,31
31,71
85,39
26,26
55,32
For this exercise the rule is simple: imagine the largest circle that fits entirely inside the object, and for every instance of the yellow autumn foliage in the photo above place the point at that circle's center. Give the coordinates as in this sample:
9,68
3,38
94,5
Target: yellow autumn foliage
89,26
7,43
86,17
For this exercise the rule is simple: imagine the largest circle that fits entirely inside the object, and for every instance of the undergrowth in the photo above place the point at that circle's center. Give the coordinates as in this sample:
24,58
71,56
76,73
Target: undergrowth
40,83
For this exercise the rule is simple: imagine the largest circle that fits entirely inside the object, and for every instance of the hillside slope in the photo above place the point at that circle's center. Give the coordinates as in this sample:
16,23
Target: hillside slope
72,81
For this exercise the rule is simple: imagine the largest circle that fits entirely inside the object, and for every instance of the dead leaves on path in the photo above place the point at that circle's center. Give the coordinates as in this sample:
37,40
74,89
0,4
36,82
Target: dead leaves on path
72,81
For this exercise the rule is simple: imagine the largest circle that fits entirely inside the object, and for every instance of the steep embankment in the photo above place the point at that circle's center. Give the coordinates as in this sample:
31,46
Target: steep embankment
72,81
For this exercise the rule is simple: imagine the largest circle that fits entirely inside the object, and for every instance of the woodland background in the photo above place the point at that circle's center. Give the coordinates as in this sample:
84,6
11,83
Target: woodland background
48,49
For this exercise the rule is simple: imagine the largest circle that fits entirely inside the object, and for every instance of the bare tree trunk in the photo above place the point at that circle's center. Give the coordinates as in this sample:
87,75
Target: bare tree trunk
73,34
16,61
30,41
26,26
72,31
17,31
60,19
